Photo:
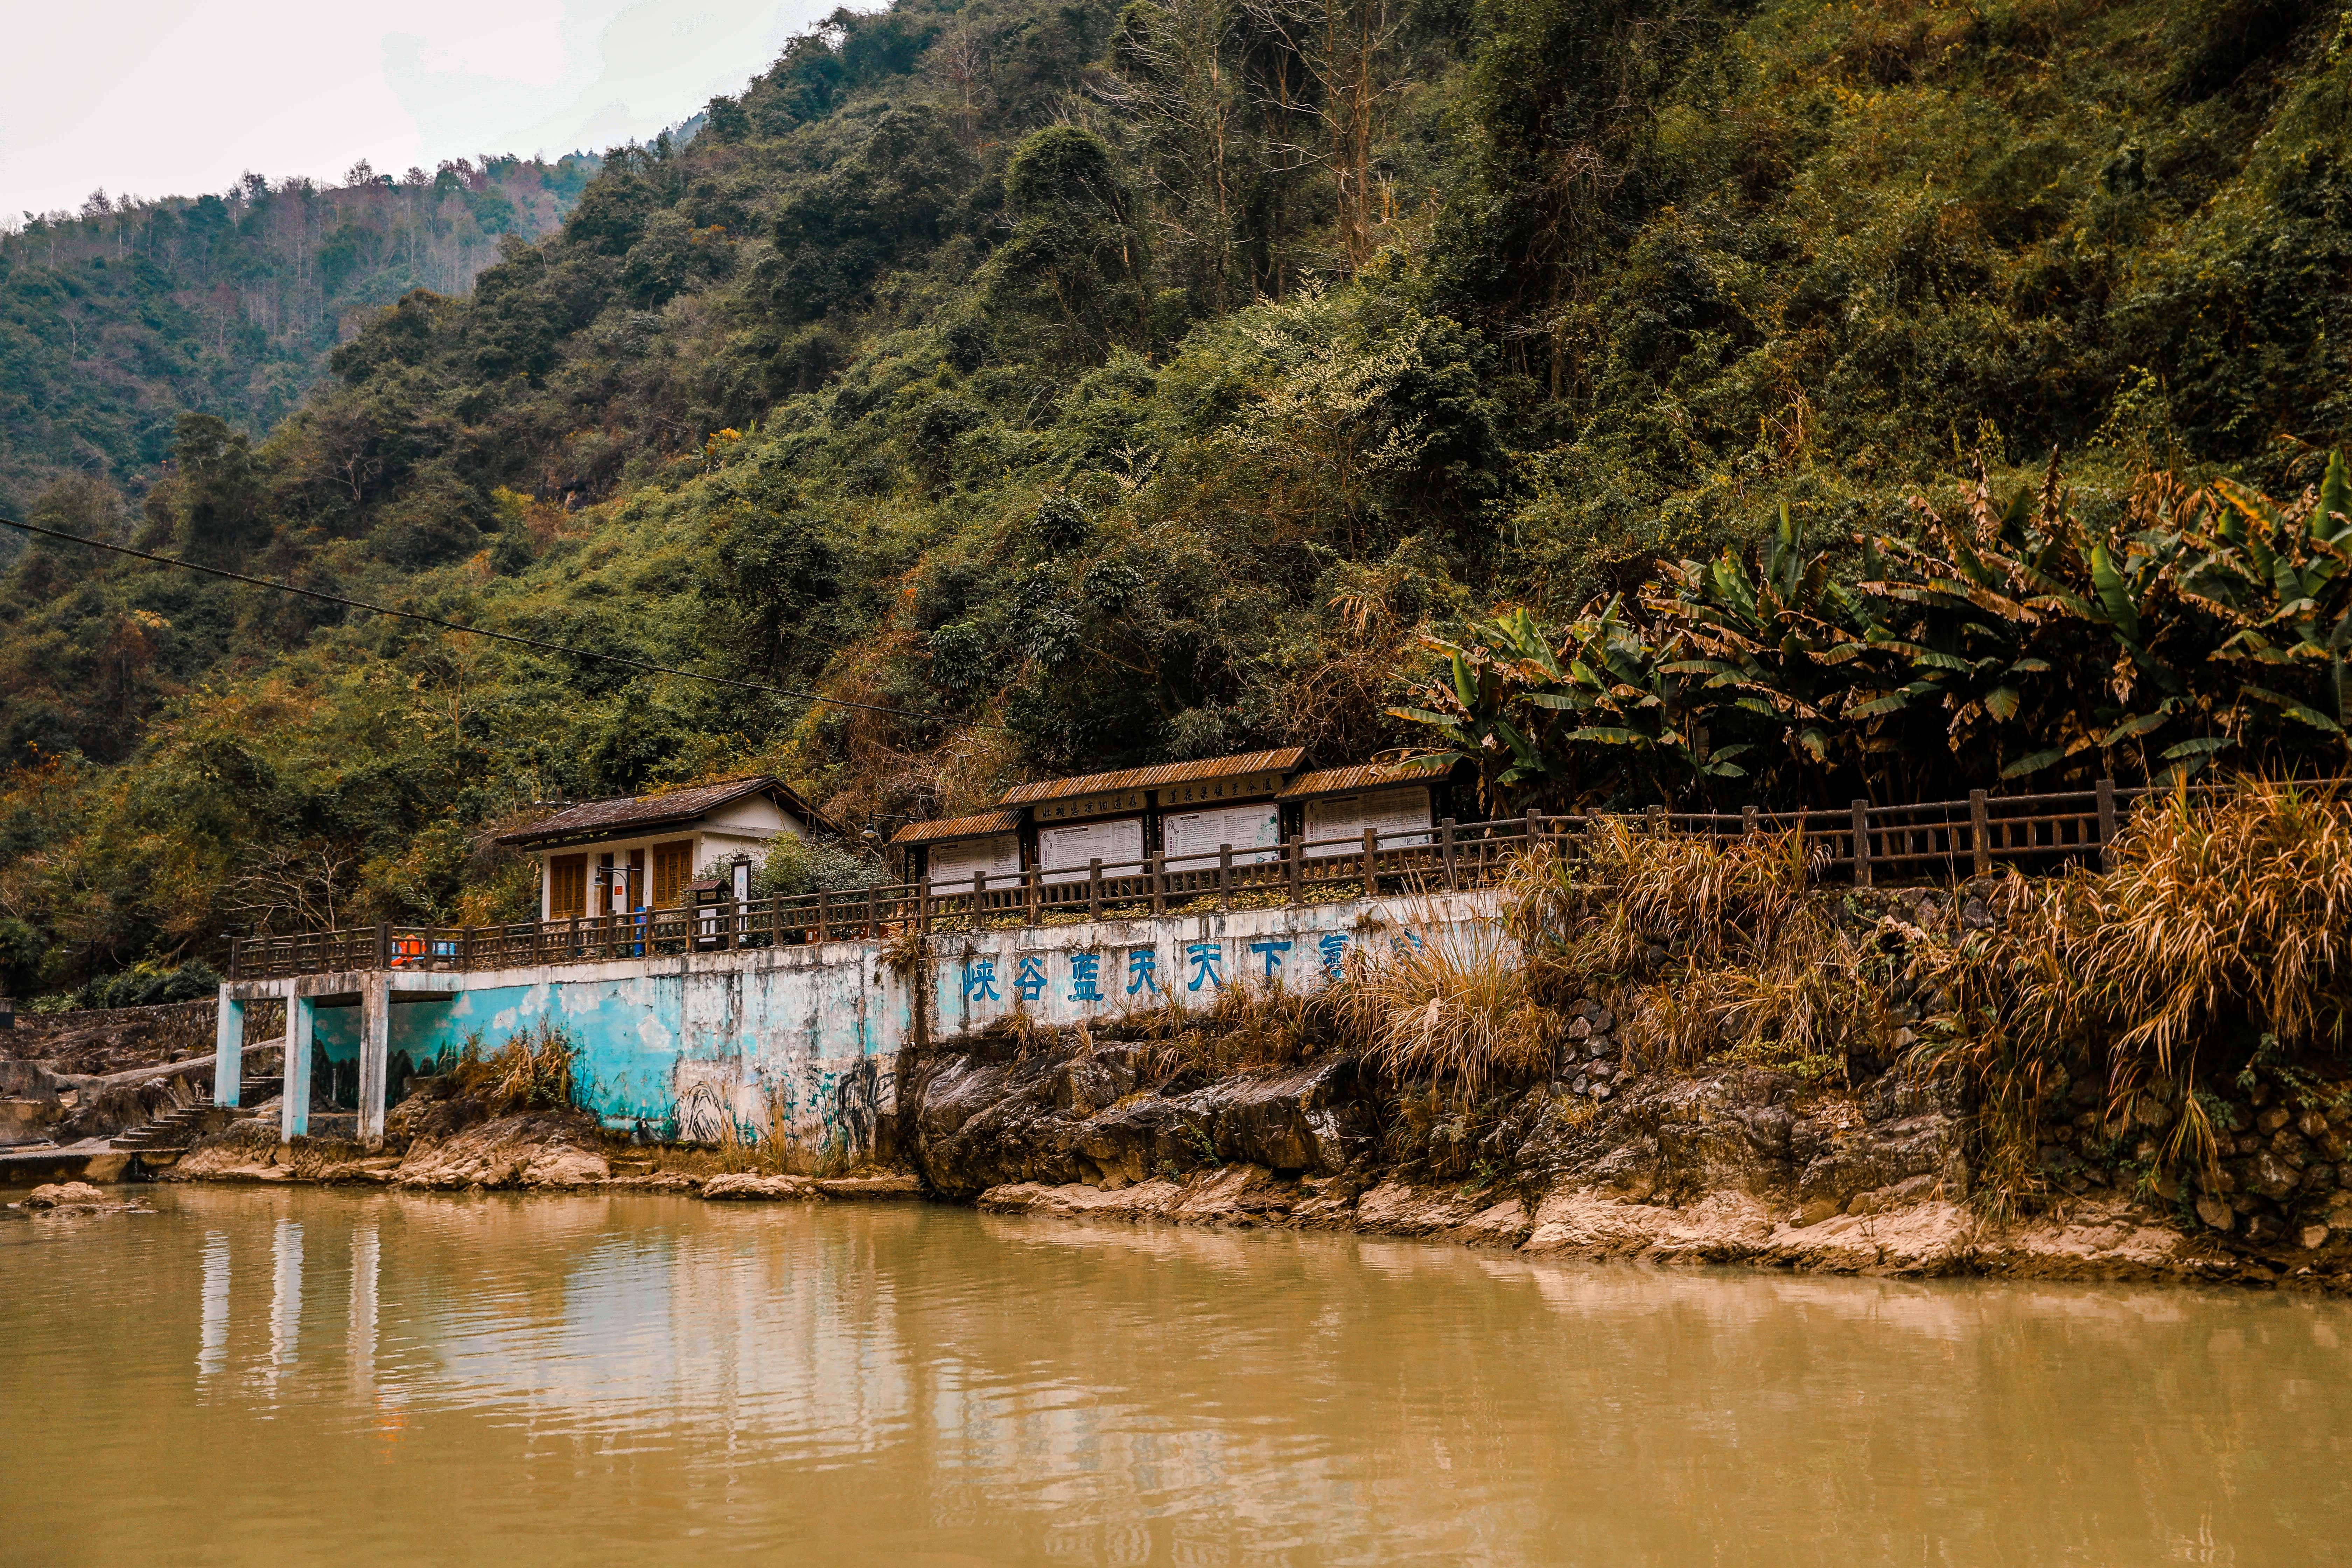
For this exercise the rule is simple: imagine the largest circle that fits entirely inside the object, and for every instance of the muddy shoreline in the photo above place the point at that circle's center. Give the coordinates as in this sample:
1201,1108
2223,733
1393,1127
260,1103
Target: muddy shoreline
1728,1168
1606,1160
2103,1240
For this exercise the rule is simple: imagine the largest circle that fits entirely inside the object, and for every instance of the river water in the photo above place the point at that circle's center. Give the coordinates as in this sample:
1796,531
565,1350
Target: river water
270,1376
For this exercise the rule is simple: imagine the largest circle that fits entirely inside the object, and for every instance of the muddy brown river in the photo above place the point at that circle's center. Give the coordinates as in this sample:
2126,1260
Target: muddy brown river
273,1376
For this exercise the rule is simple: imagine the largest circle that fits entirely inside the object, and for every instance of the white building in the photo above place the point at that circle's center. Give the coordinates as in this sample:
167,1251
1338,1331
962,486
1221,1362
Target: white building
614,857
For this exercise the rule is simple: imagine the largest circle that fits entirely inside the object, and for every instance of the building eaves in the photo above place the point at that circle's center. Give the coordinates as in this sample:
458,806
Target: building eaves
595,818
1276,762
1365,775
958,828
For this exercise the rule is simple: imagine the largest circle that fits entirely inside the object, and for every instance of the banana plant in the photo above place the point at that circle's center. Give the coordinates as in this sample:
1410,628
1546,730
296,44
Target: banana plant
2282,584
1780,636
1625,692
2030,633
1505,665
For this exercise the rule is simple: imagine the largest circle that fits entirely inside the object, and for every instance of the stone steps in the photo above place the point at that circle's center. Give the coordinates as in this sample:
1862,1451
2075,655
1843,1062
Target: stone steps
175,1129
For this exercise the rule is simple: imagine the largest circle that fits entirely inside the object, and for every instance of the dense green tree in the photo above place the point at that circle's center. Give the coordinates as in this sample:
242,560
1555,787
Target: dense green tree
1068,281
1094,384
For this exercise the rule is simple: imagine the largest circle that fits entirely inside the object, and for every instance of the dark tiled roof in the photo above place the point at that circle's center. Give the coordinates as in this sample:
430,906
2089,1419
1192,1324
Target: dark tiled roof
958,828
1280,762
607,817
1365,775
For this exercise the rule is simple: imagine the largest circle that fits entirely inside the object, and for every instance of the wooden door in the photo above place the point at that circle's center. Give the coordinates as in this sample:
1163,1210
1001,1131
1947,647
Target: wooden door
672,868
567,886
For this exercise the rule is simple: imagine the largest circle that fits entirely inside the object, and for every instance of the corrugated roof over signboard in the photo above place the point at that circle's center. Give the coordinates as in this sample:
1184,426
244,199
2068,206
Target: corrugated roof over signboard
593,817
1278,761
1365,775
978,827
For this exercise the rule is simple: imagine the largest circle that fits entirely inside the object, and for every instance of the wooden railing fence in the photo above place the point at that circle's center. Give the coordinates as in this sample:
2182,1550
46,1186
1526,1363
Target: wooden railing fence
1863,842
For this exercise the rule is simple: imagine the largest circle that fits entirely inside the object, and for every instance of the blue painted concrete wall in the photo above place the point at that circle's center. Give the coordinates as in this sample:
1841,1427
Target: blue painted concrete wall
800,1045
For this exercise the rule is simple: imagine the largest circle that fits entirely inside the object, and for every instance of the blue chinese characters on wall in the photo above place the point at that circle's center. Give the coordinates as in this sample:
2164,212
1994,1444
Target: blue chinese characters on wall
1142,971
1029,982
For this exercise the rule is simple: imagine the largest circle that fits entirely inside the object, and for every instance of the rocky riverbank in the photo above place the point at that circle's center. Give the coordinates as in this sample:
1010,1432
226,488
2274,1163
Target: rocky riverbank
1729,1164
451,1143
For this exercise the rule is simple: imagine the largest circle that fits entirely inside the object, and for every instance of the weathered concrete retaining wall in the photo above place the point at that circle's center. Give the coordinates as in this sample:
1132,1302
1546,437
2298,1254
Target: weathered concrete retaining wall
1095,970
805,1040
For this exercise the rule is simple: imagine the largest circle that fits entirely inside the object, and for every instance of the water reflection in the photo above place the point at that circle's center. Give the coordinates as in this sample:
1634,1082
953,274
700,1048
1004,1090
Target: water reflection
285,1298
212,1335
584,1376
363,1330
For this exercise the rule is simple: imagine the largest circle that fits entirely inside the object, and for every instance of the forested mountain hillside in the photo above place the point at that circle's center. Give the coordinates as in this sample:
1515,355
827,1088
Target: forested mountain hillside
1113,384
115,319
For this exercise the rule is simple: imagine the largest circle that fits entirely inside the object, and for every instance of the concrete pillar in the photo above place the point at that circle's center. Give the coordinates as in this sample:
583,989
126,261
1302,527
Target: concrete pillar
375,1041
228,1049
294,1112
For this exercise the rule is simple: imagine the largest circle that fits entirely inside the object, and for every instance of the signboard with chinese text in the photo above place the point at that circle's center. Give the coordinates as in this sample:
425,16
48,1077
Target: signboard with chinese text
1062,853
1201,791
956,861
1253,831
1385,811
1083,806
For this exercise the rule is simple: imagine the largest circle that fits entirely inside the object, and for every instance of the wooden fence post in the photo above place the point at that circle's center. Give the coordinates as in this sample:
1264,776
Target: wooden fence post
868,931
1747,822
2106,788
1657,815
1371,863
1094,888
1446,843
824,916
1861,844
923,905
1534,828
1029,893
384,945
1158,883
1979,826
1225,876
1294,854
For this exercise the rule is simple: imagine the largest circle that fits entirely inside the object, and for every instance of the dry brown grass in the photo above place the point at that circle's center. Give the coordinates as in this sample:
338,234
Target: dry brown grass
1450,1005
1598,903
1707,946
2220,934
773,1149
1246,1026
529,1070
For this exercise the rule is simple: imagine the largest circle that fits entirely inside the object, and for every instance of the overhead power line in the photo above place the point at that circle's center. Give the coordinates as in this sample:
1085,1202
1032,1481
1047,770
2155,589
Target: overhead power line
485,632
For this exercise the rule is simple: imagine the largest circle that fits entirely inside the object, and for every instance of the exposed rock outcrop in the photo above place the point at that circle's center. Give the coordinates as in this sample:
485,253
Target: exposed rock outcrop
67,1195
1730,1165
743,1186
539,1149
543,1150
990,1116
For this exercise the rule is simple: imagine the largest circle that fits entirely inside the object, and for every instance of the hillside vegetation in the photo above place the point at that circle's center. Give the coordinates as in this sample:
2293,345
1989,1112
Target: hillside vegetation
115,319
1130,384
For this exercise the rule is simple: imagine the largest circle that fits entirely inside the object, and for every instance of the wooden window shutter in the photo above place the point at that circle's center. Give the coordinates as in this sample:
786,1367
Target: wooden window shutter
567,886
672,869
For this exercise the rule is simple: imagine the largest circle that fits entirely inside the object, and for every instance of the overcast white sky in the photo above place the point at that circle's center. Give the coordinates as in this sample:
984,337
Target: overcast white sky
175,97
